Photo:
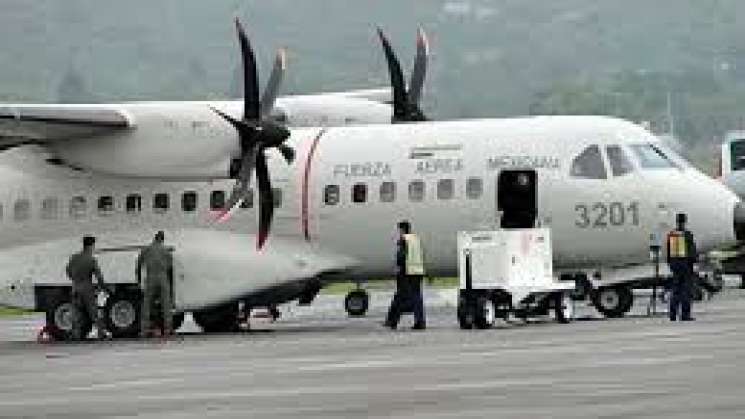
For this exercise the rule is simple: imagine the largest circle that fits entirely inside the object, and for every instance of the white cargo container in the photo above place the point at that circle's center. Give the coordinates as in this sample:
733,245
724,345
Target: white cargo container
509,271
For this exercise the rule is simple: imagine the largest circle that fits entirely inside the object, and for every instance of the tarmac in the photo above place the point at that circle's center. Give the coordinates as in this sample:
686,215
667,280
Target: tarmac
316,362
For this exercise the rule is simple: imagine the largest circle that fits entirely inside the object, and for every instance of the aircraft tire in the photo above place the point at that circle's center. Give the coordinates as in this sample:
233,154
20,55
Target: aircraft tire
564,309
613,302
59,321
356,303
122,314
221,319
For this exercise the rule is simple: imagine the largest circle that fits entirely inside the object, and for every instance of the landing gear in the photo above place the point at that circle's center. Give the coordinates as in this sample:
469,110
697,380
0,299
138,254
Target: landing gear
220,319
613,301
357,302
122,314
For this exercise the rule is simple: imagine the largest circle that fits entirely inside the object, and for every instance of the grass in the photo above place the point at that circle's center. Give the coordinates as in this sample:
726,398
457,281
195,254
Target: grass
8,311
341,288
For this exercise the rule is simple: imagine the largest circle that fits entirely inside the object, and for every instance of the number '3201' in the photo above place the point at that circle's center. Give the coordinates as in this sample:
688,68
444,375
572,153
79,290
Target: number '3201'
606,214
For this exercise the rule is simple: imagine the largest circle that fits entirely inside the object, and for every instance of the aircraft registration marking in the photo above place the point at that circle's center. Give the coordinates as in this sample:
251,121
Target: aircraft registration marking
606,214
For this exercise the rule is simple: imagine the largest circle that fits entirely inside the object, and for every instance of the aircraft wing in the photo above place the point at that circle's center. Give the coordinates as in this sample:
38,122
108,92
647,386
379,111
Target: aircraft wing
40,124
381,95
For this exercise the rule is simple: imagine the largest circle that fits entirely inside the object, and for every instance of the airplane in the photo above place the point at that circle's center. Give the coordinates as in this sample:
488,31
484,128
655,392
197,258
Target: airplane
603,185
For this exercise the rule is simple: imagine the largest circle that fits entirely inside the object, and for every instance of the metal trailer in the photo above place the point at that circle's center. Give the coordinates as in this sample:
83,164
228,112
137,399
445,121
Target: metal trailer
509,272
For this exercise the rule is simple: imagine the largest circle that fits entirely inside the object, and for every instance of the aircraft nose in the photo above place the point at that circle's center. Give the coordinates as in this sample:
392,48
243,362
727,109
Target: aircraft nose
739,221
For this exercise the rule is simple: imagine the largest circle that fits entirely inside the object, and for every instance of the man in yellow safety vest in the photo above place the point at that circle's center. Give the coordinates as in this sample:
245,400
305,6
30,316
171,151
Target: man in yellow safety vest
409,274
681,256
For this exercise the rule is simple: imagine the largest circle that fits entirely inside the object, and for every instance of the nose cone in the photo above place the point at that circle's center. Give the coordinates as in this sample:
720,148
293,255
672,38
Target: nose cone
739,221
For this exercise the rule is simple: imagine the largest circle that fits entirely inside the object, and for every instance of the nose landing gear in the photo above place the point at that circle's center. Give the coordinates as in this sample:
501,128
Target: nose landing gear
357,302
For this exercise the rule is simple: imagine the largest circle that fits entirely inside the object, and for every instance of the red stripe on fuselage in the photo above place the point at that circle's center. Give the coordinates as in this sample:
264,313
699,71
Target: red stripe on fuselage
304,216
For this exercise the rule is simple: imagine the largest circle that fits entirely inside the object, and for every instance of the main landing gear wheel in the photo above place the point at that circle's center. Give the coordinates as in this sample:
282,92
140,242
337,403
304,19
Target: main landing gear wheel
221,319
122,315
59,321
564,307
613,301
356,303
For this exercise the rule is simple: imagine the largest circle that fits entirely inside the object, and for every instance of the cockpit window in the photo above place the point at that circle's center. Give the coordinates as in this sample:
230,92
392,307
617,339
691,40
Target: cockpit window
619,161
651,157
589,164
737,154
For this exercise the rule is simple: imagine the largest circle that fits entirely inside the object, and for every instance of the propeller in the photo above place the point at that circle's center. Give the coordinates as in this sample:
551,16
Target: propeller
406,103
257,132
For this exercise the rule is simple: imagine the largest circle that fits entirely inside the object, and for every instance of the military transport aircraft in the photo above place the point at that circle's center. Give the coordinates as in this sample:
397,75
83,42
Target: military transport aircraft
326,199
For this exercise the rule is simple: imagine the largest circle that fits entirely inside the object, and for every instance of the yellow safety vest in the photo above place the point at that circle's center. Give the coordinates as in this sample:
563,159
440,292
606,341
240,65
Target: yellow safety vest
414,256
676,242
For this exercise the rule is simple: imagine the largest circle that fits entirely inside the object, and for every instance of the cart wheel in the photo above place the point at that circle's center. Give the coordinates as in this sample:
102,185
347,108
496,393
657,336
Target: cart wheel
465,314
485,313
613,301
564,307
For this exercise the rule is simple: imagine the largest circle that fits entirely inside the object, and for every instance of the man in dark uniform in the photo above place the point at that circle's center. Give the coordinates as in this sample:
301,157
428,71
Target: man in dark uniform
158,263
681,256
80,269
409,274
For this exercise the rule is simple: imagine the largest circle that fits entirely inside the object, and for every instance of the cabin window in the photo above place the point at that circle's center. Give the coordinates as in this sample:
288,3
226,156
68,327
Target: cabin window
49,208
134,203
105,205
445,189
248,201
474,188
22,210
331,194
650,157
589,164
78,207
189,201
359,193
217,200
387,192
161,203
277,197
619,161
416,191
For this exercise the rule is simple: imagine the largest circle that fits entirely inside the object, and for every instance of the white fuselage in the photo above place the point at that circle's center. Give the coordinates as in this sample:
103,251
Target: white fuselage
595,222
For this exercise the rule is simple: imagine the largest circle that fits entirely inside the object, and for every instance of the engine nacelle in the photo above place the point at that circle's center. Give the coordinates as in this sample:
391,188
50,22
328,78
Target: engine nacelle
171,142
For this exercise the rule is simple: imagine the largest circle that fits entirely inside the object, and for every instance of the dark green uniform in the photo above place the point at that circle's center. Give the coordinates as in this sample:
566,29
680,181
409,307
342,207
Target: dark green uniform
158,263
80,269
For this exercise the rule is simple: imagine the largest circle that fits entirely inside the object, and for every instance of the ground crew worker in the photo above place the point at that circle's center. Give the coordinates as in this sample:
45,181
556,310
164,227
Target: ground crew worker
80,269
681,256
158,263
409,274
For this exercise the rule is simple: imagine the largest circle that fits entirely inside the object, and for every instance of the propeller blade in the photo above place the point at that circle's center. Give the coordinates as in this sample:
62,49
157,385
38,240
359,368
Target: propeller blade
234,122
420,68
400,97
287,152
266,199
241,188
275,80
251,105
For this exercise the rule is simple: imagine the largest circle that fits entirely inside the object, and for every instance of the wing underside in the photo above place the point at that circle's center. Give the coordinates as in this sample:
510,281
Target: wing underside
42,124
